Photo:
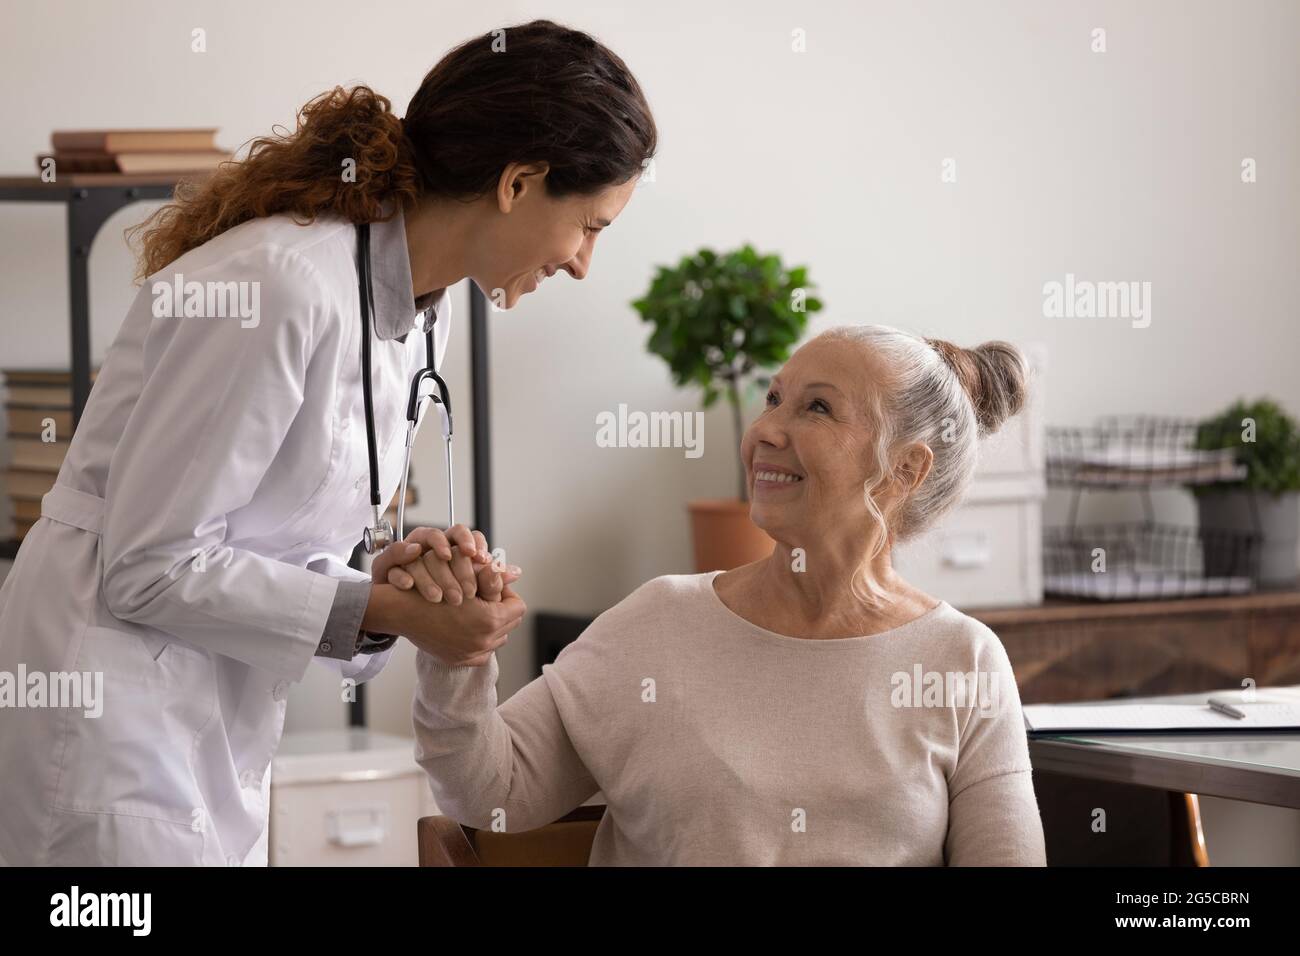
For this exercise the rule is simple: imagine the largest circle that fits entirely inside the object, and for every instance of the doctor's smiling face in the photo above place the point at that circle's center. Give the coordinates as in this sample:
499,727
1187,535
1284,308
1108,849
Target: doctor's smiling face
525,235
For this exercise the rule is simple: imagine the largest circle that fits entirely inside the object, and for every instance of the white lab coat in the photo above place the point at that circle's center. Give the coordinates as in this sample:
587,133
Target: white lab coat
216,461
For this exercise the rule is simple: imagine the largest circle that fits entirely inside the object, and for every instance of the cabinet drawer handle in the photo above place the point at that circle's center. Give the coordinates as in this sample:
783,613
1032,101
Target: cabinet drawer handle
967,550
358,826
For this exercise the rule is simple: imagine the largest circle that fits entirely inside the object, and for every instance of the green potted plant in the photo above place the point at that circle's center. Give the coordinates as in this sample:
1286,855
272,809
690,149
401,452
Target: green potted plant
719,320
1267,441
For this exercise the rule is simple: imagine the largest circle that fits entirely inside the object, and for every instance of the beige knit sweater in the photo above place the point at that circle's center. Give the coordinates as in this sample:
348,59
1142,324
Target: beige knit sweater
717,742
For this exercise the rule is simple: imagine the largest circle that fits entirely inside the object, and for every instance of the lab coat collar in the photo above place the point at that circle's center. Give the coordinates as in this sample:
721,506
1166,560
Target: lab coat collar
397,310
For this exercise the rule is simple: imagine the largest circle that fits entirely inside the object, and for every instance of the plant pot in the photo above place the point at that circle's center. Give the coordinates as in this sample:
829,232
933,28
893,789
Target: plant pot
724,536
1279,523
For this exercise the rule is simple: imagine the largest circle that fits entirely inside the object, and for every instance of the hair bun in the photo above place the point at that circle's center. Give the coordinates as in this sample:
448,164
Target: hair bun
994,376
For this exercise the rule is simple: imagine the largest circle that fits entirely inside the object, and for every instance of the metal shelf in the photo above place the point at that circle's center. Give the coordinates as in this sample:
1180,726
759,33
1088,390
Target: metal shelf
90,198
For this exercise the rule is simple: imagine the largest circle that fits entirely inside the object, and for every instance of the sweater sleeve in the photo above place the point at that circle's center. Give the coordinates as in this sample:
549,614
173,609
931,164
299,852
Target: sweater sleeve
992,810
513,766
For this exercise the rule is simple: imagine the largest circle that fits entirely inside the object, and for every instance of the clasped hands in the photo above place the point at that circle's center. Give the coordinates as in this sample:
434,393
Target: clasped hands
444,593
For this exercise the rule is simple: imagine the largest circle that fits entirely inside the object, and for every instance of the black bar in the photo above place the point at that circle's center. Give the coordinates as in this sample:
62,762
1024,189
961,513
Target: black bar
81,235
357,705
479,366
552,633
89,207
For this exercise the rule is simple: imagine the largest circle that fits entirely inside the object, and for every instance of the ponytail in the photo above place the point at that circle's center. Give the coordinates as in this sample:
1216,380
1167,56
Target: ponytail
347,156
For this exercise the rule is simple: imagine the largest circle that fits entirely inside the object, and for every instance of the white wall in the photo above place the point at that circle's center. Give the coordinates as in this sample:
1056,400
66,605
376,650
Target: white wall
1114,166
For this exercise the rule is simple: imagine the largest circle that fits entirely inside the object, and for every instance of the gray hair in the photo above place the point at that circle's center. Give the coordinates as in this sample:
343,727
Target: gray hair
945,397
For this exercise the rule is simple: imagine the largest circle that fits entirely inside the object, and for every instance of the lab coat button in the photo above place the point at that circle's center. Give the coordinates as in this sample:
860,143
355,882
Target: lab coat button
248,780
232,860
281,690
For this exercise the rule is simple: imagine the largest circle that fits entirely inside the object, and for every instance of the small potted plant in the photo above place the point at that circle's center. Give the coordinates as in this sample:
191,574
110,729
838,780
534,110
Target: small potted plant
1267,502
719,320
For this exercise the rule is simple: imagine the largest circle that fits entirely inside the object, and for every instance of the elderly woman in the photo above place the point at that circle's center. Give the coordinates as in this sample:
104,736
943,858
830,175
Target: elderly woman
808,708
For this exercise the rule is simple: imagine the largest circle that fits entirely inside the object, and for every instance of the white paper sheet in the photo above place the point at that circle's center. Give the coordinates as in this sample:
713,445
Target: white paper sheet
1060,718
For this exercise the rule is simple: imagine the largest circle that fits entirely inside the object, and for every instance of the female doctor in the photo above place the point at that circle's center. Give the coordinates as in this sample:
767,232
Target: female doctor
193,551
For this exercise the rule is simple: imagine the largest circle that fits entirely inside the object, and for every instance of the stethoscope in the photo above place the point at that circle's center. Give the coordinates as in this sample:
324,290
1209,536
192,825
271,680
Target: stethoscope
380,533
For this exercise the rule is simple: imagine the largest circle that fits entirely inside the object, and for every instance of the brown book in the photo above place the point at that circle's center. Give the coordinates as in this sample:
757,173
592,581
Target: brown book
188,161
134,140
42,376
79,161
31,421
32,454
39,396
47,389
26,509
177,162
27,484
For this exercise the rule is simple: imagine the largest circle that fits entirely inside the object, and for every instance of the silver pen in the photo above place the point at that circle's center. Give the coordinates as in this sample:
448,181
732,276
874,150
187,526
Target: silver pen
1225,708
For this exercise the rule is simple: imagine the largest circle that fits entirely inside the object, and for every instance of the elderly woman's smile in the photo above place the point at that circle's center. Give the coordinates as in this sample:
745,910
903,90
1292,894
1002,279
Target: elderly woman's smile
768,477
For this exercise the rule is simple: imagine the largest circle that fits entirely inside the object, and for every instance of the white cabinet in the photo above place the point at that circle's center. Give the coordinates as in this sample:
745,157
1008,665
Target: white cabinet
987,552
346,798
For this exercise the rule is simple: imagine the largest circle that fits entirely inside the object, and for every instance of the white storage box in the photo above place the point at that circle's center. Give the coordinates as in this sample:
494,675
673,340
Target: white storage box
346,798
987,552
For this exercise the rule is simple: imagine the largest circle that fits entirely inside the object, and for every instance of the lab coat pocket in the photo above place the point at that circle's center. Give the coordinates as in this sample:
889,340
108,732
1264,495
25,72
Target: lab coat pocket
340,493
136,757
118,839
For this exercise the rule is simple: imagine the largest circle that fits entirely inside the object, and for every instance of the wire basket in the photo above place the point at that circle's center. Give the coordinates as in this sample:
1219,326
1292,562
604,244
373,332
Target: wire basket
1135,451
1147,561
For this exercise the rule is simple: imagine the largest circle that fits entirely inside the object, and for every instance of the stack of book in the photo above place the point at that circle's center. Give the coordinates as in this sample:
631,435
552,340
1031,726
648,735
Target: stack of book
134,151
38,413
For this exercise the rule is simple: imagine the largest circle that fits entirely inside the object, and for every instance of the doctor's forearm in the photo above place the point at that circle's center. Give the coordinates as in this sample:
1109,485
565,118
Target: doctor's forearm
405,613
383,613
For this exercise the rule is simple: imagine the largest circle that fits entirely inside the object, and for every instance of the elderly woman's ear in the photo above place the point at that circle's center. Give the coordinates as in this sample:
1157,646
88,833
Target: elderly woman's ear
913,466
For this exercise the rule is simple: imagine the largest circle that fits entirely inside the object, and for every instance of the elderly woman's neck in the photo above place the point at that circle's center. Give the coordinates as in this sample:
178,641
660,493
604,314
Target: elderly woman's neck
823,594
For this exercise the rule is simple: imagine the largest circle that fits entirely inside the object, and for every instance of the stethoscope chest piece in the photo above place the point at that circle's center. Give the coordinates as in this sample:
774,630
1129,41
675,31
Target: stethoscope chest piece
379,535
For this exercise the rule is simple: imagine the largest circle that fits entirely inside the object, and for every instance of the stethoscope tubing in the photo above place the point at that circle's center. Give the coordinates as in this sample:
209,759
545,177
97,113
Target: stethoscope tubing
380,533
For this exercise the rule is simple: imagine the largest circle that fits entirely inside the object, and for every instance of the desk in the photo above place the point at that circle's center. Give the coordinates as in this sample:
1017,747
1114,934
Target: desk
1257,767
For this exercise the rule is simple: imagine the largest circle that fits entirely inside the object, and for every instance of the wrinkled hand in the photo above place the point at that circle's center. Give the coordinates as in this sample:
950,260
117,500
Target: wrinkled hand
465,635
455,565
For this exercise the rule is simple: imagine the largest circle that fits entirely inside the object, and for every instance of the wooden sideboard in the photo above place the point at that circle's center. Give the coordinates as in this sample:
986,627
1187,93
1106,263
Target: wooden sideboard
1075,650
1069,651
